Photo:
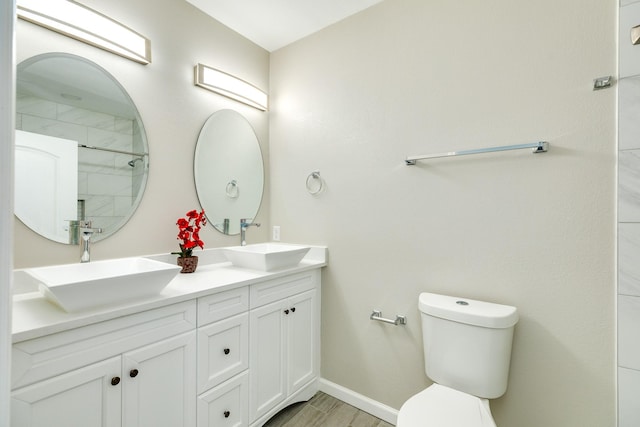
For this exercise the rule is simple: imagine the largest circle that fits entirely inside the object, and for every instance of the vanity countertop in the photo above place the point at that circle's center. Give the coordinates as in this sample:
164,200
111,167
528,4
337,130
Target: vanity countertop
34,316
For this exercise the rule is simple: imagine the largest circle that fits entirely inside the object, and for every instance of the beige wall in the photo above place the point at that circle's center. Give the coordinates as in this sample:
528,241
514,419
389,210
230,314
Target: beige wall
173,111
410,77
407,77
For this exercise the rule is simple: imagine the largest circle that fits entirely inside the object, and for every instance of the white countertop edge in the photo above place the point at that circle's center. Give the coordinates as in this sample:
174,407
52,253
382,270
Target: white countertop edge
34,316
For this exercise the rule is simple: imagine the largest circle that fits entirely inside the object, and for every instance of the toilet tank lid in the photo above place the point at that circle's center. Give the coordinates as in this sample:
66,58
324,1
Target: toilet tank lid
465,310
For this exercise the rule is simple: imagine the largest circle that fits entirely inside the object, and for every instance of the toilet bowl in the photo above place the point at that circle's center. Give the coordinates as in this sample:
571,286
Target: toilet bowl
467,353
441,406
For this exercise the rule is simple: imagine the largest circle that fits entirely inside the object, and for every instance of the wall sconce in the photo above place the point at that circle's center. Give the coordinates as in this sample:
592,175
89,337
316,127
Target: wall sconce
81,23
230,86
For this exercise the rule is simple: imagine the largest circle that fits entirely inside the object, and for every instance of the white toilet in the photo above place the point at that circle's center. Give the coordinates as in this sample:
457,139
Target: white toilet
467,351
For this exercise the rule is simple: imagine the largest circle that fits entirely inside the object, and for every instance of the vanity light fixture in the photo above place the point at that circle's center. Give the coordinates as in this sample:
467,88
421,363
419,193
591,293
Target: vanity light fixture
81,23
230,86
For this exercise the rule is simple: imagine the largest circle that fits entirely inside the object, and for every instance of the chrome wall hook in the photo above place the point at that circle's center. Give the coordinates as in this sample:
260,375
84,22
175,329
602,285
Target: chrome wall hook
602,82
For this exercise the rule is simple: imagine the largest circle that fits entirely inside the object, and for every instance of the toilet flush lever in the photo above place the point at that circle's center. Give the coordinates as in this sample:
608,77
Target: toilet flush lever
377,315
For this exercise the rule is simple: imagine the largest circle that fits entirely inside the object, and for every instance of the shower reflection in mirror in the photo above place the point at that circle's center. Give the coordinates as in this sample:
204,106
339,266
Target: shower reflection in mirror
81,148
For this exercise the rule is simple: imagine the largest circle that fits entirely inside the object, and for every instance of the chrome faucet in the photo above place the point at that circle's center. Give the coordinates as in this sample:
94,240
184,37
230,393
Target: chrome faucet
244,224
86,231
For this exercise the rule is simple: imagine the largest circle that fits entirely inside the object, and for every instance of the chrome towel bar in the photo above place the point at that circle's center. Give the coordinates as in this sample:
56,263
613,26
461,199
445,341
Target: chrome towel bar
111,150
538,147
377,315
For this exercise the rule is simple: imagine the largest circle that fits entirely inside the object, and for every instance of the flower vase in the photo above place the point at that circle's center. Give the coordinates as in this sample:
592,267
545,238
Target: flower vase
188,264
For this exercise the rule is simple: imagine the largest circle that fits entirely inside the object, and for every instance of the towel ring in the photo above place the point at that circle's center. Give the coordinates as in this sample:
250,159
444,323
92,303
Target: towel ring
314,183
232,189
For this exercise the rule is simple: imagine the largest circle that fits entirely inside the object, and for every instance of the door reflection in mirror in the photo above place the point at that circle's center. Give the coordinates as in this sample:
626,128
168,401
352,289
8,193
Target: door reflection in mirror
46,183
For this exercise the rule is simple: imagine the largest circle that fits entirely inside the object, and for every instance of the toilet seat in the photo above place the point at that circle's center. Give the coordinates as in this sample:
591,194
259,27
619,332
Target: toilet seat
441,406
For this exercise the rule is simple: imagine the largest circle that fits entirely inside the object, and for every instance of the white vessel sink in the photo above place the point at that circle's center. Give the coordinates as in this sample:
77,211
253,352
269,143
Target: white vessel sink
266,256
76,287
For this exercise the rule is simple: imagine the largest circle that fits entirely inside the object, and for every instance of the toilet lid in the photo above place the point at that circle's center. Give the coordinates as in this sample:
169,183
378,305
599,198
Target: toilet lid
440,406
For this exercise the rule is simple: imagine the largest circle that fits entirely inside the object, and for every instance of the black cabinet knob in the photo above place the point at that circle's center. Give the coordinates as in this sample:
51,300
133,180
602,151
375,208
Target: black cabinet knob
226,414
133,373
286,311
115,380
226,351
293,309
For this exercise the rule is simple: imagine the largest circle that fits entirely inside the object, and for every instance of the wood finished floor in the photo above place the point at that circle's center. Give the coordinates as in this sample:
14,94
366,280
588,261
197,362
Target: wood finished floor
323,410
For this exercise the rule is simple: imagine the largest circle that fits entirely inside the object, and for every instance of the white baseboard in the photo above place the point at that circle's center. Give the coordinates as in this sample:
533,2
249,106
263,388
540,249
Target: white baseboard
361,402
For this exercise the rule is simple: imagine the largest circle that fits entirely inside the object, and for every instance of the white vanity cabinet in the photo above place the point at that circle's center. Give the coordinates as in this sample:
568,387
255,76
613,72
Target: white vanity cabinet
284,342
133,371
235,348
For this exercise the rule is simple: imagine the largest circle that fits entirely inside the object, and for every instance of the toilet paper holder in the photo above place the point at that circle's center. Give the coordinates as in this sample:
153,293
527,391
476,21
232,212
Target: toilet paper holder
399,320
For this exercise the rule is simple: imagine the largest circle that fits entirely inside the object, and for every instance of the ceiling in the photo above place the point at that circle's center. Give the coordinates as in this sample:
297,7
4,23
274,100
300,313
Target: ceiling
273,24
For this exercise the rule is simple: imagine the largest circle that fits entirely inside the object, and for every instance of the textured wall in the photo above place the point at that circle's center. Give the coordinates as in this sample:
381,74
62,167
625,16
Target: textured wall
410,77
173,110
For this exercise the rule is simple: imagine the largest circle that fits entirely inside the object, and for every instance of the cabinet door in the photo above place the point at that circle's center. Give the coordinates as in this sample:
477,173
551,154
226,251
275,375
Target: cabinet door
267,358
302,342
160,384
86,397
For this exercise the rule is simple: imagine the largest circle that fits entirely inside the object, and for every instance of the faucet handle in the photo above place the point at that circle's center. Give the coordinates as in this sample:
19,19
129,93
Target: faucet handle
246,222
87,227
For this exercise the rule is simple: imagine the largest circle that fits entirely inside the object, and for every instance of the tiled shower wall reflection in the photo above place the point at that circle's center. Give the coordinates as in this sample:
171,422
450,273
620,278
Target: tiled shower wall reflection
107,185
629,219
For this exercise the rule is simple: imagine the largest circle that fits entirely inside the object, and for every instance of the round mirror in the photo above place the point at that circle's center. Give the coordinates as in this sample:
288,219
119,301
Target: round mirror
81,150
228,171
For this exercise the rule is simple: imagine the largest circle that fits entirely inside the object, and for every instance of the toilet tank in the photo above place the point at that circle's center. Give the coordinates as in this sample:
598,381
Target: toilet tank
467,343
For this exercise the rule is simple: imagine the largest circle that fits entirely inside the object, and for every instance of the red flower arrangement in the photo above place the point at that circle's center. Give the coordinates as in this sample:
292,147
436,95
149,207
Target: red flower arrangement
189,232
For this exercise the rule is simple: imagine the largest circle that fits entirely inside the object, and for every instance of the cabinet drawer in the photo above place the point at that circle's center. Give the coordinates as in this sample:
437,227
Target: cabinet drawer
283,287
226,405
48,356
223,350
221,305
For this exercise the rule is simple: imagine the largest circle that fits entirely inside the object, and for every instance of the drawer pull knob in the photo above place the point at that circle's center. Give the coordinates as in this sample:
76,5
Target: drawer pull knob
286,311
226,351
133,373
293,309
115,380
226,414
